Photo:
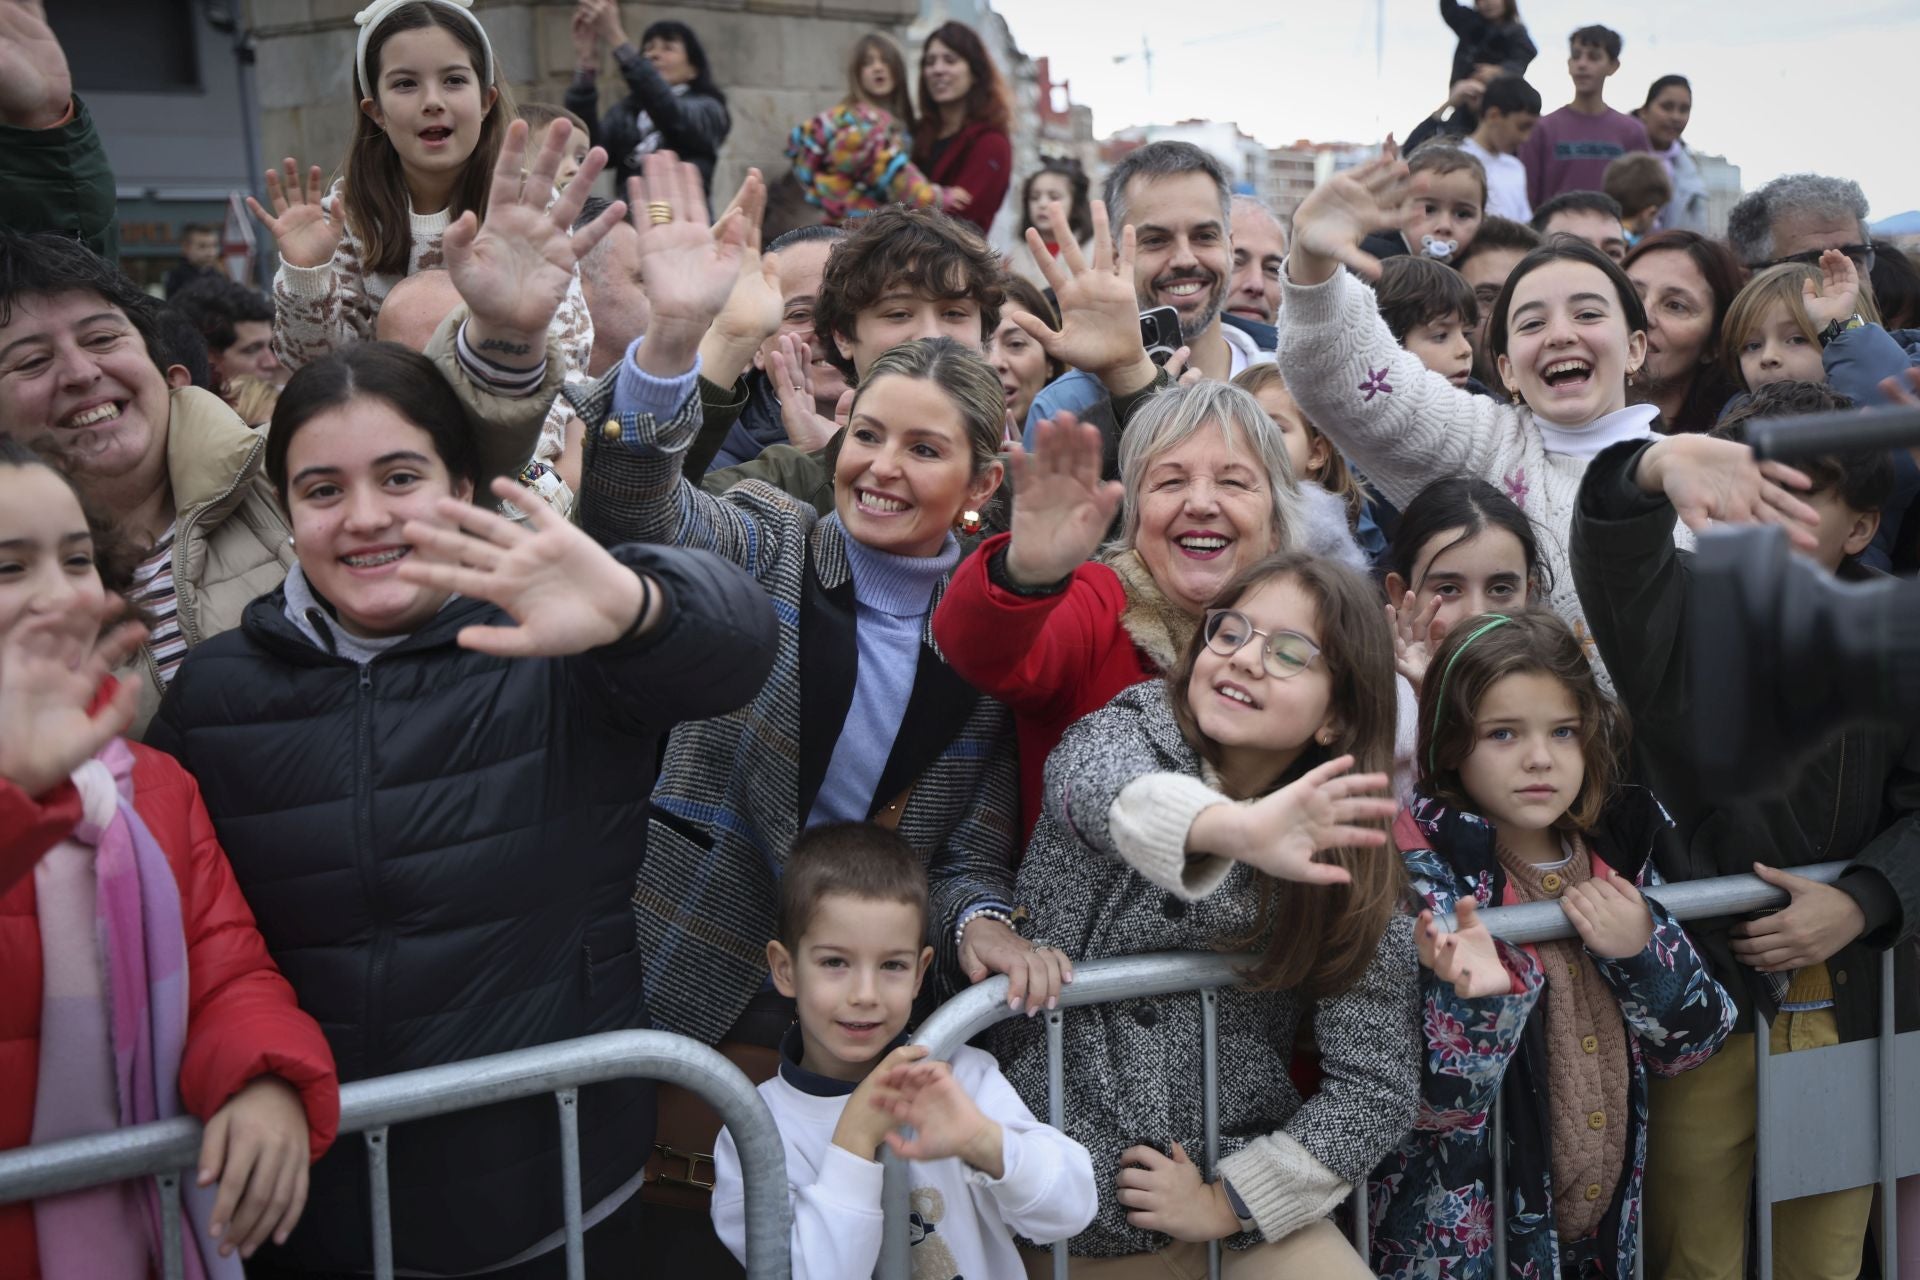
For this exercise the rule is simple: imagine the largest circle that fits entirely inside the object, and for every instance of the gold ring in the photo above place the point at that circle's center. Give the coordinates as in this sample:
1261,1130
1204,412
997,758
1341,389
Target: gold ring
659,212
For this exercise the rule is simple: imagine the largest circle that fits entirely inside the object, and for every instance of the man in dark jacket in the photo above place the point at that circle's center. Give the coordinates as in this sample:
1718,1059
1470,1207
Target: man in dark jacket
1812,968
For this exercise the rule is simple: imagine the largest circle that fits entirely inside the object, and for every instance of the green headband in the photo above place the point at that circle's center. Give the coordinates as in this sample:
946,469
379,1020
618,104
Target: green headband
1440,701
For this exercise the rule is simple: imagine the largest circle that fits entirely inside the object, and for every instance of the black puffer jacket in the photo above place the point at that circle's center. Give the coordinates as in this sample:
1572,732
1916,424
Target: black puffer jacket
440,848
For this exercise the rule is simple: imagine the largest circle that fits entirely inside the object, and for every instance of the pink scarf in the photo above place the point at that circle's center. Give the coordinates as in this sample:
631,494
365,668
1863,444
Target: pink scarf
113,1029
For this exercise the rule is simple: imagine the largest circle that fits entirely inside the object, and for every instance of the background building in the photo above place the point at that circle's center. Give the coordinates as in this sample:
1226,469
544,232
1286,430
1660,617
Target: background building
164,85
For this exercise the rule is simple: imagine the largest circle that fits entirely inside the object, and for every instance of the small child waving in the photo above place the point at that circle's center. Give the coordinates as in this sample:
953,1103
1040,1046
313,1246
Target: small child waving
852,920
1518,803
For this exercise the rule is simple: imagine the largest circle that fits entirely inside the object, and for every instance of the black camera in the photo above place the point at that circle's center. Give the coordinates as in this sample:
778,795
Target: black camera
1783,654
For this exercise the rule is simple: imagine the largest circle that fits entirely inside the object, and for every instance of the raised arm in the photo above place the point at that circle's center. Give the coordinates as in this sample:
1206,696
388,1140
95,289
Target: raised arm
54,174
644,414
1400,423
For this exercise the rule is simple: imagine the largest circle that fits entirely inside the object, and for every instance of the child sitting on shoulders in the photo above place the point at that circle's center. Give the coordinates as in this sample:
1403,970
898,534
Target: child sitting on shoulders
1446,208
850,954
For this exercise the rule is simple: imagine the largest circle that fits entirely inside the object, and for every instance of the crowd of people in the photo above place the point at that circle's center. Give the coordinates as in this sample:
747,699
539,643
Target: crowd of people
547,614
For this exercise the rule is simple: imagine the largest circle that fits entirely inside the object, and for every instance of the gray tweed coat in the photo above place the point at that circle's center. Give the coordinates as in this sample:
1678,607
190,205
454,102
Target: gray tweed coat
1135,1067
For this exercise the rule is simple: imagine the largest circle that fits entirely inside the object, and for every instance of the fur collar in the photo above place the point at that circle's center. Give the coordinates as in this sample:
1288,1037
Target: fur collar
1159,628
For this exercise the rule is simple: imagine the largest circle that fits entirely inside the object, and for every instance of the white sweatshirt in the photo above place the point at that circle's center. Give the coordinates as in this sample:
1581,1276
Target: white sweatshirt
963,1221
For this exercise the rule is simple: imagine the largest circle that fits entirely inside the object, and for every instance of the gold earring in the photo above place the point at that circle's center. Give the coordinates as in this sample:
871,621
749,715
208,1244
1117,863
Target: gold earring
968,524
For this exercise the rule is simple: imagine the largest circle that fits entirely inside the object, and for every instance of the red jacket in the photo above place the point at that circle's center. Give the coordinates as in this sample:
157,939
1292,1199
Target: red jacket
1052,659
978,160
242,1018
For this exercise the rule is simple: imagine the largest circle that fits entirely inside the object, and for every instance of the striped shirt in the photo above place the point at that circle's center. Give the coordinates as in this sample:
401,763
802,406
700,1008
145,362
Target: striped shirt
153,592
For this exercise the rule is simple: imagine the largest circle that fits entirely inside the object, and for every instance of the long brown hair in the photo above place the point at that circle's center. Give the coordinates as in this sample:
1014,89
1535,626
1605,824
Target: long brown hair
987,101
1477,654
899,103
377,202
1321,938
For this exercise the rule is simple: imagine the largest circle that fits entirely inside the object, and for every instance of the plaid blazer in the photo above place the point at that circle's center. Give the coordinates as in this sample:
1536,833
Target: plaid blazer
732,791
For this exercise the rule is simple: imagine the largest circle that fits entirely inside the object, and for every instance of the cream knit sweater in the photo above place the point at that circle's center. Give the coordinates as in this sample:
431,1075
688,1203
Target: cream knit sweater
1404,426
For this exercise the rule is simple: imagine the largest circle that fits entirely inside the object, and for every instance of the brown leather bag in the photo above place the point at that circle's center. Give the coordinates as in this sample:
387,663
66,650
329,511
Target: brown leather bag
680,1170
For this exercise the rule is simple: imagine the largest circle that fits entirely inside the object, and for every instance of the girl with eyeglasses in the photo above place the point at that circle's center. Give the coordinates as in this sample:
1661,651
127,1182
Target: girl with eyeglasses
1215,810
1519,801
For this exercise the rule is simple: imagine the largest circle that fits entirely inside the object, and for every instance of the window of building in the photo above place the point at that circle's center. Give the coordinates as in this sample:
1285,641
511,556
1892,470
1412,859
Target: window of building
130,46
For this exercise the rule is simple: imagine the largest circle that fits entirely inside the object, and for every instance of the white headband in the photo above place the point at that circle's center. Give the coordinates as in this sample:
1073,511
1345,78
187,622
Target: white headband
371,17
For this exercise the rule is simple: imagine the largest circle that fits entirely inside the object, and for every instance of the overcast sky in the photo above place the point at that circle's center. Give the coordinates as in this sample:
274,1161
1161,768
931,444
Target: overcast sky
1779,85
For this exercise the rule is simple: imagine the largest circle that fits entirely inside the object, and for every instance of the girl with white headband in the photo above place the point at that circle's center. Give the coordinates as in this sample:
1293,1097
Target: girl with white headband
433,107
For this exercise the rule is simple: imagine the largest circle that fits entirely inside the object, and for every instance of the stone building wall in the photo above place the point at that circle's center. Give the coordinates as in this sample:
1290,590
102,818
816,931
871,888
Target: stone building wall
779,62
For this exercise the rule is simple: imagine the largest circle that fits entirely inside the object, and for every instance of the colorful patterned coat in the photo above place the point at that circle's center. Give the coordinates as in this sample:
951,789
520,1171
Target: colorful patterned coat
1431,1201
853,160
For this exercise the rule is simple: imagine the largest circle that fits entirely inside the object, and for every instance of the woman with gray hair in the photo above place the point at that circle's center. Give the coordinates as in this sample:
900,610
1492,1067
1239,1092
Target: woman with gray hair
1205,490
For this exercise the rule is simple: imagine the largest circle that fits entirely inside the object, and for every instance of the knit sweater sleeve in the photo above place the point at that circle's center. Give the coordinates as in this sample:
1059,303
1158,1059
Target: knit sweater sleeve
1369,1038
319,309
1400,423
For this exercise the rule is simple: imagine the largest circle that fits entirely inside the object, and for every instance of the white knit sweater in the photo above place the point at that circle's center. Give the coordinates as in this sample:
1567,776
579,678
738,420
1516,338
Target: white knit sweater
1404,426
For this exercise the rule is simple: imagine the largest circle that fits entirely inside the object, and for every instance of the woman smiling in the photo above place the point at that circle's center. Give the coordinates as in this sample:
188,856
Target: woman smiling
1568,334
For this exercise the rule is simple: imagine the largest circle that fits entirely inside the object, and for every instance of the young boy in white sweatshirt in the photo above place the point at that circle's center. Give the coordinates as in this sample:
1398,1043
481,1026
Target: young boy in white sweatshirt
851,953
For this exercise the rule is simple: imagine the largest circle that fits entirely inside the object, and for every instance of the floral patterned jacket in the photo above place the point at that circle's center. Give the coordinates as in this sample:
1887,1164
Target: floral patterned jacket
1431,1201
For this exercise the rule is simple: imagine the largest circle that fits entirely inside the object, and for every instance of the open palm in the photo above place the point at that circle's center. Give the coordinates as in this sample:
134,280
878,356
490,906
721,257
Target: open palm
563,591
1350,206
49,679
687,268
304,230
926,1099
1319,810
1061,507
1719,482
1099,311
35,85
514,269
1467,958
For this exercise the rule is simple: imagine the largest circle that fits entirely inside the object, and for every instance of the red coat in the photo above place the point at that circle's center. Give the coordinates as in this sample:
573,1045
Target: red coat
1052,659
242,1018
978,160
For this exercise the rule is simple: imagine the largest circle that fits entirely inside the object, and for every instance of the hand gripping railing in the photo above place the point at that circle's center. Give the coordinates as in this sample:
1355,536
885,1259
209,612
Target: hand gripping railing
1132,977
371,1107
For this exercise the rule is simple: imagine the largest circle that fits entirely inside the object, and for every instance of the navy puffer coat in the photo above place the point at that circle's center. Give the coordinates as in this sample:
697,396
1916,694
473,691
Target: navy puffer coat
440,848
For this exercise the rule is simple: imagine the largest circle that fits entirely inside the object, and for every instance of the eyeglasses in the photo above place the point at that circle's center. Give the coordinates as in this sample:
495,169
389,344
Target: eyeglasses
1862,255
1285,655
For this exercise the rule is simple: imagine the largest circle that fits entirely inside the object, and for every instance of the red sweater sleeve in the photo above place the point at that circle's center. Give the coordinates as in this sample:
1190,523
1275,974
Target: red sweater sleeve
243,1020
1034,653
30,826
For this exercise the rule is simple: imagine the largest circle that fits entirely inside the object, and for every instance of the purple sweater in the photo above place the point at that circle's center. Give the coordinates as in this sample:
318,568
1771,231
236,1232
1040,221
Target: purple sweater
1570,150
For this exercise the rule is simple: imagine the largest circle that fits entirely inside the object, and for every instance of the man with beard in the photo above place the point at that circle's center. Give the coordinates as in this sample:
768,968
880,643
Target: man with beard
1176,199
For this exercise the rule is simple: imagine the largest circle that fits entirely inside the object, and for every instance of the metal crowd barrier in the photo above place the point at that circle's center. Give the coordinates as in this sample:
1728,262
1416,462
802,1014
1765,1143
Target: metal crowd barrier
1814,1134
1808,1101
371,1107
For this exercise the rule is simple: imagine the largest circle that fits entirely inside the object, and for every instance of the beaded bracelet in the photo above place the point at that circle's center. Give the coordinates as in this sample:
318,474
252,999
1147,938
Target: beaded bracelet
991,913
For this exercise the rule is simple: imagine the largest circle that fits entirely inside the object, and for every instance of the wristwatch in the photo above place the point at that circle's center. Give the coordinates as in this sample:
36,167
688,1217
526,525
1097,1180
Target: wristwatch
1838,327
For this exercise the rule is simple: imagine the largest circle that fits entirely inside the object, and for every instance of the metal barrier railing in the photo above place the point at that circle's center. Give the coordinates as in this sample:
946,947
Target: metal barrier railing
1815,1093
371,1107
1133,977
